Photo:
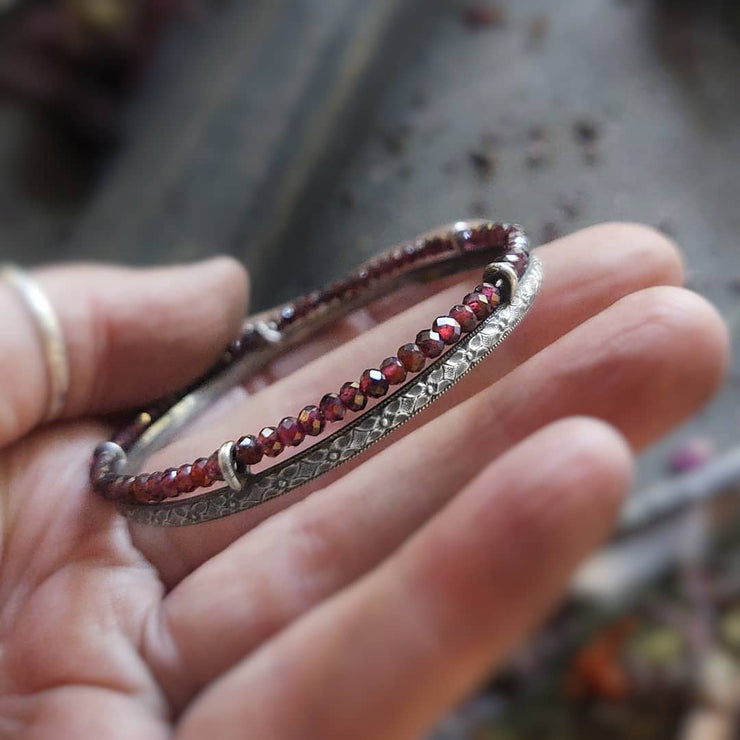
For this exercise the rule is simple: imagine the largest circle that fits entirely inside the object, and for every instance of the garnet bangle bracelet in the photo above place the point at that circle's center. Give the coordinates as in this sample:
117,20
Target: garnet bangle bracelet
471,330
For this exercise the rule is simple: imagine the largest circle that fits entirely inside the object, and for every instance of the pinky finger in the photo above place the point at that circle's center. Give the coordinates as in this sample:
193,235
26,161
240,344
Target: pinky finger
389,655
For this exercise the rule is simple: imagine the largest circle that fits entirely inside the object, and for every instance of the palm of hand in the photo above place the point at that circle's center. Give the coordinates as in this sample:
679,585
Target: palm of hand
372,606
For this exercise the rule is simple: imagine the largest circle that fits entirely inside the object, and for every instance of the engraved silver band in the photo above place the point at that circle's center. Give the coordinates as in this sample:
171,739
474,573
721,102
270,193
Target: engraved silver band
349,441
49,332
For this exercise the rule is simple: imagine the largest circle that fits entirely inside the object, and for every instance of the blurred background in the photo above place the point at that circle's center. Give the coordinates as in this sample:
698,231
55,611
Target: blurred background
314,133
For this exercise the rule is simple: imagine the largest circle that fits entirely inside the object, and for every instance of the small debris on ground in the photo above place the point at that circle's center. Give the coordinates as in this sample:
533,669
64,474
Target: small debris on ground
395,139
537,29
690,455
570,205
484,14
551,230
539,151
588,133
483,160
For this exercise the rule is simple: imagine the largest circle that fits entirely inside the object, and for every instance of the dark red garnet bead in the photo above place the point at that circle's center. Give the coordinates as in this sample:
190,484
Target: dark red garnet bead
393,370
290,432
138,488
352,397
412,357
154,491
213,468
183,480
199,473
270,442
373,383
518,259
447,328
479,303
311,420
430,343
168,482
491,292
332,407
464,316
248,452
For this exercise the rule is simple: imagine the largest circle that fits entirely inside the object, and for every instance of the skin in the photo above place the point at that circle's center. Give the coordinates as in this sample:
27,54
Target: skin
371,607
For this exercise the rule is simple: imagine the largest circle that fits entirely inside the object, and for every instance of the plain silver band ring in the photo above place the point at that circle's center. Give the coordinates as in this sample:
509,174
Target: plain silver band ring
50,333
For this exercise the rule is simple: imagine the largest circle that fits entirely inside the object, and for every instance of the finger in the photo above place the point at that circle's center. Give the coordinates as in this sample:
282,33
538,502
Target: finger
584,274
389,655
131,336
643,364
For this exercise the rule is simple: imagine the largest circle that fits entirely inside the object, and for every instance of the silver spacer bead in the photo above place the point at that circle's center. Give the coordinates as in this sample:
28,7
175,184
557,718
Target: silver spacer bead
228,469
270,335
496,269
112,457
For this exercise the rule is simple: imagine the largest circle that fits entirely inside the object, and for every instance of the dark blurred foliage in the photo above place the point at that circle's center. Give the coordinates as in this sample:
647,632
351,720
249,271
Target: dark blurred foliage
76,60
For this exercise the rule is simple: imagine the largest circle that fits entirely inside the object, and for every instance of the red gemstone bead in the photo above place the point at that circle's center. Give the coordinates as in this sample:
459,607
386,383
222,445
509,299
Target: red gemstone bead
270,442
518,259
168,482
332,407
464,316
373,383
248,452
154,490
213,468
311,420
139,490
290,432
412,357
393,370
447,328
479,303
430,343
199,473
491,292
352,397
183,481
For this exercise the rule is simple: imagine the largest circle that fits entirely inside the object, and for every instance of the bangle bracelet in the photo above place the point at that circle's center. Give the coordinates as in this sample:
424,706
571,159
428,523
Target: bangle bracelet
471,330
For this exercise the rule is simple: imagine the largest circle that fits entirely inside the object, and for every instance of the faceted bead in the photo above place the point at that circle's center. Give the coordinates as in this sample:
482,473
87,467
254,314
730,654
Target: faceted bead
270,442
154,490
122,487
168,482
138,489
373,383
290,432
479,303
332,407
491,292
518,259
183,481
199,473
447,328
430,343
248,452
412,357
213,468
311,420
352,397
393,370
464,316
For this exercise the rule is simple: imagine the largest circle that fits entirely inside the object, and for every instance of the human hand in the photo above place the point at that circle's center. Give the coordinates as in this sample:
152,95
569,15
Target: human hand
371,607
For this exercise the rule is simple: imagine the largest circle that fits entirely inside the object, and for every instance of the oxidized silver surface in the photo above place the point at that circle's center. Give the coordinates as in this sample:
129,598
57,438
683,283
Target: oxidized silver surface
357,435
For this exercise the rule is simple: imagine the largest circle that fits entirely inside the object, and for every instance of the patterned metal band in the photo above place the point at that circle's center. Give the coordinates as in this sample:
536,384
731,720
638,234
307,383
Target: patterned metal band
357,435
